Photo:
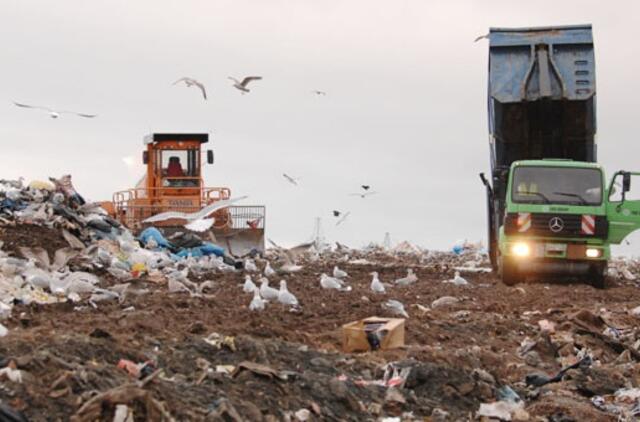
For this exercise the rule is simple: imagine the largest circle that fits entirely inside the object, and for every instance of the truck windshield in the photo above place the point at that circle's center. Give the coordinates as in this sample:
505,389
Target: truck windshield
557,185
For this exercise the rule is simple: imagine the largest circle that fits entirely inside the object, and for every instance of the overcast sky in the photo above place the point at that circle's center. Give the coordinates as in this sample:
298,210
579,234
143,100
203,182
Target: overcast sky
405,109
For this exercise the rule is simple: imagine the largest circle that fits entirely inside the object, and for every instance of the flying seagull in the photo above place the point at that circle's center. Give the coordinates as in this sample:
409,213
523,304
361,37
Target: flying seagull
344,217
242,86
196,221
317,92
291,255
292,180
363,194
365,187
54,114
189,82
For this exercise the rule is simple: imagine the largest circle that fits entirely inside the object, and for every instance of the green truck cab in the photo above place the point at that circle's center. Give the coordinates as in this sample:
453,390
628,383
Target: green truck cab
561,217
550,208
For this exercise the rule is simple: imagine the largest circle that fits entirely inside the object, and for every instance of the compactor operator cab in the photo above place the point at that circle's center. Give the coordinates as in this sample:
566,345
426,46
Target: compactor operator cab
174,182
174,161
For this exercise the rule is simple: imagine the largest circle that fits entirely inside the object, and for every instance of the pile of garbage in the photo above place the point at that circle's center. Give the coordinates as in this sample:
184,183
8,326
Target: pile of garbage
83,254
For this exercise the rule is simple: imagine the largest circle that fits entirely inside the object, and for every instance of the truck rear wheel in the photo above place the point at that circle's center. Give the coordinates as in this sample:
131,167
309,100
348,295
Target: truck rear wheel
509,273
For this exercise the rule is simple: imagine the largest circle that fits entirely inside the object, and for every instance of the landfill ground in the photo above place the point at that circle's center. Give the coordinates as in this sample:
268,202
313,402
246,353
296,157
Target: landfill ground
460,355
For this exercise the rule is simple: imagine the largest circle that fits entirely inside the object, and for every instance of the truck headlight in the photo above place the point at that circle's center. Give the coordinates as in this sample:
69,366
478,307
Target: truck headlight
593,253
520,249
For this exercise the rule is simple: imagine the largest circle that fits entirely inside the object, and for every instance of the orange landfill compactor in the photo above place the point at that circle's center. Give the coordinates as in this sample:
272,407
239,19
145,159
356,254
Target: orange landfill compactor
174,182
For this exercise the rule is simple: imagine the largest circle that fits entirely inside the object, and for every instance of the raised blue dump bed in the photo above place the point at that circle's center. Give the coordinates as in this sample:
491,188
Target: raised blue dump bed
541,95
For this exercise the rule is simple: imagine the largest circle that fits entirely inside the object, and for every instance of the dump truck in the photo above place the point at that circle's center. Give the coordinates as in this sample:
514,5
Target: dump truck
550,208
174,182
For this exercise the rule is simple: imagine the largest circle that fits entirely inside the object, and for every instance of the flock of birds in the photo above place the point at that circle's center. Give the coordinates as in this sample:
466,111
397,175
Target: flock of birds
265,294
240,85
199,222
341,216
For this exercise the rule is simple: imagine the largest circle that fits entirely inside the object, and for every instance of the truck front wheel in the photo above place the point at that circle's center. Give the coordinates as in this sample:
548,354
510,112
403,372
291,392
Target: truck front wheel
509,272
597,274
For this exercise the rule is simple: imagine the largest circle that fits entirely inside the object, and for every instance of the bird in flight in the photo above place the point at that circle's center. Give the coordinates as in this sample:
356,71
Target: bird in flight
292,180
196,221
54,114
189,82
365,187
481,37
242,86
318,92
344,217
363,194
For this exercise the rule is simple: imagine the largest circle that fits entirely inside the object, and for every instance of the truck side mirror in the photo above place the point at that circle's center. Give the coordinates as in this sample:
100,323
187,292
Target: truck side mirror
485,182
626,182
145,157
210,156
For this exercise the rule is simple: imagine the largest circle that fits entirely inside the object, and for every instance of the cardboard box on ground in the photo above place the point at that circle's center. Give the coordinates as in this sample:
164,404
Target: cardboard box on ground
373,333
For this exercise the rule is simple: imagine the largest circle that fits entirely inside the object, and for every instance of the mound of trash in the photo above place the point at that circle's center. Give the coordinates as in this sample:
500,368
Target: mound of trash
100,324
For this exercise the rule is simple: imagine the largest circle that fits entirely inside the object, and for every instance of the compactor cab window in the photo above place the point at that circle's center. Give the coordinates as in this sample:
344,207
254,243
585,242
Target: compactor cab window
180,168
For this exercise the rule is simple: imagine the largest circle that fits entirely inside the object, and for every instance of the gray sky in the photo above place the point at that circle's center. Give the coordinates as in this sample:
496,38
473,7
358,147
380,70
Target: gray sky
405,110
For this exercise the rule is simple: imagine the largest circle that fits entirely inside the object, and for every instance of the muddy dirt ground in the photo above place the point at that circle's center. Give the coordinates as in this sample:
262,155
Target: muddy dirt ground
459,355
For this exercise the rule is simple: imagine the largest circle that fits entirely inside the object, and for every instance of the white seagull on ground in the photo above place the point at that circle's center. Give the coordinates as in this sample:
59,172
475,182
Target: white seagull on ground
250,266
458,280
242,85
396,307
376,284
189,82
54,114
267,292
409,279
257,303
327,282
285,296
338,273
268,271
249,285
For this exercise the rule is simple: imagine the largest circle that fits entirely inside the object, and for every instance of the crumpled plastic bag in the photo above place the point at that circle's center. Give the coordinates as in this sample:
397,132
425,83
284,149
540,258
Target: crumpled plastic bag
41,185
81,282
102,294
37,278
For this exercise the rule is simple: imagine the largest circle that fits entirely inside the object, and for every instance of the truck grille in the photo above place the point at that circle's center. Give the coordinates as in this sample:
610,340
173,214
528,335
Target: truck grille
558,225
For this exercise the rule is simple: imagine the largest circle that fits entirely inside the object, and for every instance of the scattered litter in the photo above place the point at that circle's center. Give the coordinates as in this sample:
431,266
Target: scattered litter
219,341
11,372
444,301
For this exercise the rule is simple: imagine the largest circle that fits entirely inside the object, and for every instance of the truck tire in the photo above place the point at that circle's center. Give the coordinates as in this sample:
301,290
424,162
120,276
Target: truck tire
509,273
597,275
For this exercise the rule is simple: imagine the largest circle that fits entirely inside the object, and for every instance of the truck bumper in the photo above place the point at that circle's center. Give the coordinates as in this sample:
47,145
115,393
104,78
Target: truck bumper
528,250
555,256
557,266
